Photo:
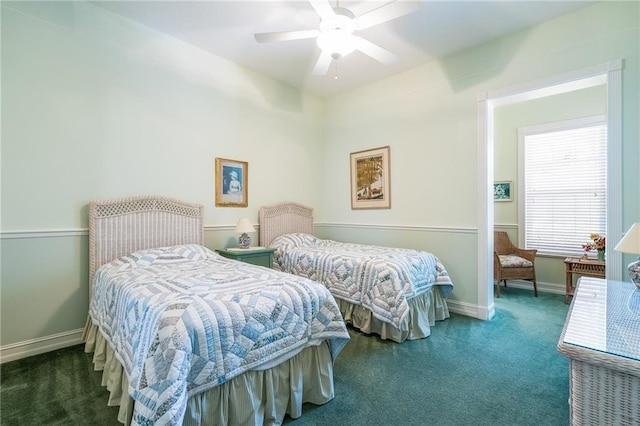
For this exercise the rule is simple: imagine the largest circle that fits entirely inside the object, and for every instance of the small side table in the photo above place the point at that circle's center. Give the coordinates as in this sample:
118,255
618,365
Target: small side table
261,256
578,266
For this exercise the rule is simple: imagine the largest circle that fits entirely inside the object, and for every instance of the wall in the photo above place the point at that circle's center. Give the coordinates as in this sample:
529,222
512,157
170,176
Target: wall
508,119
428,116
95,107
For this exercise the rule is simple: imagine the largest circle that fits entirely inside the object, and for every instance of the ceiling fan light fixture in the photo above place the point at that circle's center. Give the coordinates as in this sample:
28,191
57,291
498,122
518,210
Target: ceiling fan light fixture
337,42
335,34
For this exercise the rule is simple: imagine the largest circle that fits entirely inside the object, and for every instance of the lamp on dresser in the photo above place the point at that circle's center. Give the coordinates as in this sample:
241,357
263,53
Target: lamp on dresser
244,227
630,243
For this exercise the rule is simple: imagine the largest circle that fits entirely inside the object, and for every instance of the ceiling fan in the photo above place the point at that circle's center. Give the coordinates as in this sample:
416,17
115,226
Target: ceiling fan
335,35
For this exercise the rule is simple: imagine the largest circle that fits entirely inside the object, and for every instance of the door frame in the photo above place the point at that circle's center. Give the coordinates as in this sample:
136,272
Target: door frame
609,74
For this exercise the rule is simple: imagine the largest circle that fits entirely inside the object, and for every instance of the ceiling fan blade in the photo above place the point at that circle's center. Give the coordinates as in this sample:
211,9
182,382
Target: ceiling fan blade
323,8
323,64
375,51
285,35
386,13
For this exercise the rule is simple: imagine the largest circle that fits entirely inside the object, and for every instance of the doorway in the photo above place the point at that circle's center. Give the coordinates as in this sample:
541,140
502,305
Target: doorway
608,74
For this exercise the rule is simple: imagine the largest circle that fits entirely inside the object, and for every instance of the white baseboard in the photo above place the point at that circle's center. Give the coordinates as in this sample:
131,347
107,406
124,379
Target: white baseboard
543,287
474,311
462,308
41,345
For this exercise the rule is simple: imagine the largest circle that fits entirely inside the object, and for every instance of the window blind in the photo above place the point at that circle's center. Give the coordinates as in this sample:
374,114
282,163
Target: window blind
565,199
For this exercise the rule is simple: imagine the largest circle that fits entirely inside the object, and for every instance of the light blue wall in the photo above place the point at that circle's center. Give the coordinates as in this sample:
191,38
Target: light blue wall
507,120
429,118
95,107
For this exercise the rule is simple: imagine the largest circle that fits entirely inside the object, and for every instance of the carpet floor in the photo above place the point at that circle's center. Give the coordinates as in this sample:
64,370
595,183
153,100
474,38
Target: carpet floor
506,371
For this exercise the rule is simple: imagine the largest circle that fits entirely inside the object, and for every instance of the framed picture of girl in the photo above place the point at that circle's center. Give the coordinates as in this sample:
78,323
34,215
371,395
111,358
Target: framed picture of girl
232,178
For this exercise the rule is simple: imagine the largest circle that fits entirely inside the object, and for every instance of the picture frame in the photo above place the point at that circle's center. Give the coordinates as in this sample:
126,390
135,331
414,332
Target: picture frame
502,191
370,179
232,183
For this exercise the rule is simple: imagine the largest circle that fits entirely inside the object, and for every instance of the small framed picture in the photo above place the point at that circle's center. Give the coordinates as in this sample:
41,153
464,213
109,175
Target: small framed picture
370,183
232,183
502,191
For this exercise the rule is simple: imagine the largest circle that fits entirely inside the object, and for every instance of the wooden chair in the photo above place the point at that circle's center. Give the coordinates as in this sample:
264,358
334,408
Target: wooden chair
511,262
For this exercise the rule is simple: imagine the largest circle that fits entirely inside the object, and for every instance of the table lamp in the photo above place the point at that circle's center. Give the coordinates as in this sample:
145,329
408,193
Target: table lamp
243,228
630,243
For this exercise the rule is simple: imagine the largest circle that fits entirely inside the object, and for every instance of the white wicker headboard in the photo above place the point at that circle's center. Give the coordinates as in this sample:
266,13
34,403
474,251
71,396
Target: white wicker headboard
284,218
122,226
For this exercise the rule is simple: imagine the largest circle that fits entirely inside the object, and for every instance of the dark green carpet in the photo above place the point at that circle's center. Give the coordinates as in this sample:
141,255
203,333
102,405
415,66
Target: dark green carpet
506,371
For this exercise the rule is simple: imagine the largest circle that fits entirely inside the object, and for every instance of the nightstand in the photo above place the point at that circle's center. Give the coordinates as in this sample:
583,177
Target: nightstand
261,256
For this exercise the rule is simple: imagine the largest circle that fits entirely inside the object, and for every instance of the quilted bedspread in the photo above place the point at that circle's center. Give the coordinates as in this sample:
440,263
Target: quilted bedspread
184,319
381,279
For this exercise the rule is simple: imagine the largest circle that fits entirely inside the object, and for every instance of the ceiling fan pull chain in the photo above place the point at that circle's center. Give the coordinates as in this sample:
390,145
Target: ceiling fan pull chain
336,70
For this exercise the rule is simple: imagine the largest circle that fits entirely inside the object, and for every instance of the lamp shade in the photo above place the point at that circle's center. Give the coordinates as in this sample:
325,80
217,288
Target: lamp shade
244,226
630,243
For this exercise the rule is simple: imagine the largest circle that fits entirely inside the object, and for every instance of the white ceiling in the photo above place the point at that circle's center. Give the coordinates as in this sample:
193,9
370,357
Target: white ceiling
436,29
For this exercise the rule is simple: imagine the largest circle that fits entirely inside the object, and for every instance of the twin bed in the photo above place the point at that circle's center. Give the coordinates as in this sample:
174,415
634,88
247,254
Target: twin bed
185,336
395,293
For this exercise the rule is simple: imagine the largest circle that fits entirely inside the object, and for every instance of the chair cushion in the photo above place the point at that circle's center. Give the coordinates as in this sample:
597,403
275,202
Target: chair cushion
513,261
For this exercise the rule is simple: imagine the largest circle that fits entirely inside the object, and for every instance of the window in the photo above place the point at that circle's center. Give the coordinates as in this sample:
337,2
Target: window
563,182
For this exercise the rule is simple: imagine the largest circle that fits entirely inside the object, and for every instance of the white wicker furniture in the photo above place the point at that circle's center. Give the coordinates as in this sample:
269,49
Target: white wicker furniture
601,338
122,226
424,310
284,218
126,225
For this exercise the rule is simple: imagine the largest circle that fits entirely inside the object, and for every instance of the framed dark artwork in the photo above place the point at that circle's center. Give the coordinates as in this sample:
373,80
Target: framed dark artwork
370,179
502,191
232,179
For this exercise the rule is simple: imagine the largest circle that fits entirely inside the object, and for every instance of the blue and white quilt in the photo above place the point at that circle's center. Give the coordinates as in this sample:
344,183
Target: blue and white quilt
381,279
183,319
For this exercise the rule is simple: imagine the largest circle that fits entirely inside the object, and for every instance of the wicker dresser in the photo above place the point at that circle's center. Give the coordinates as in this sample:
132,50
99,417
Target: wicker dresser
601,338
